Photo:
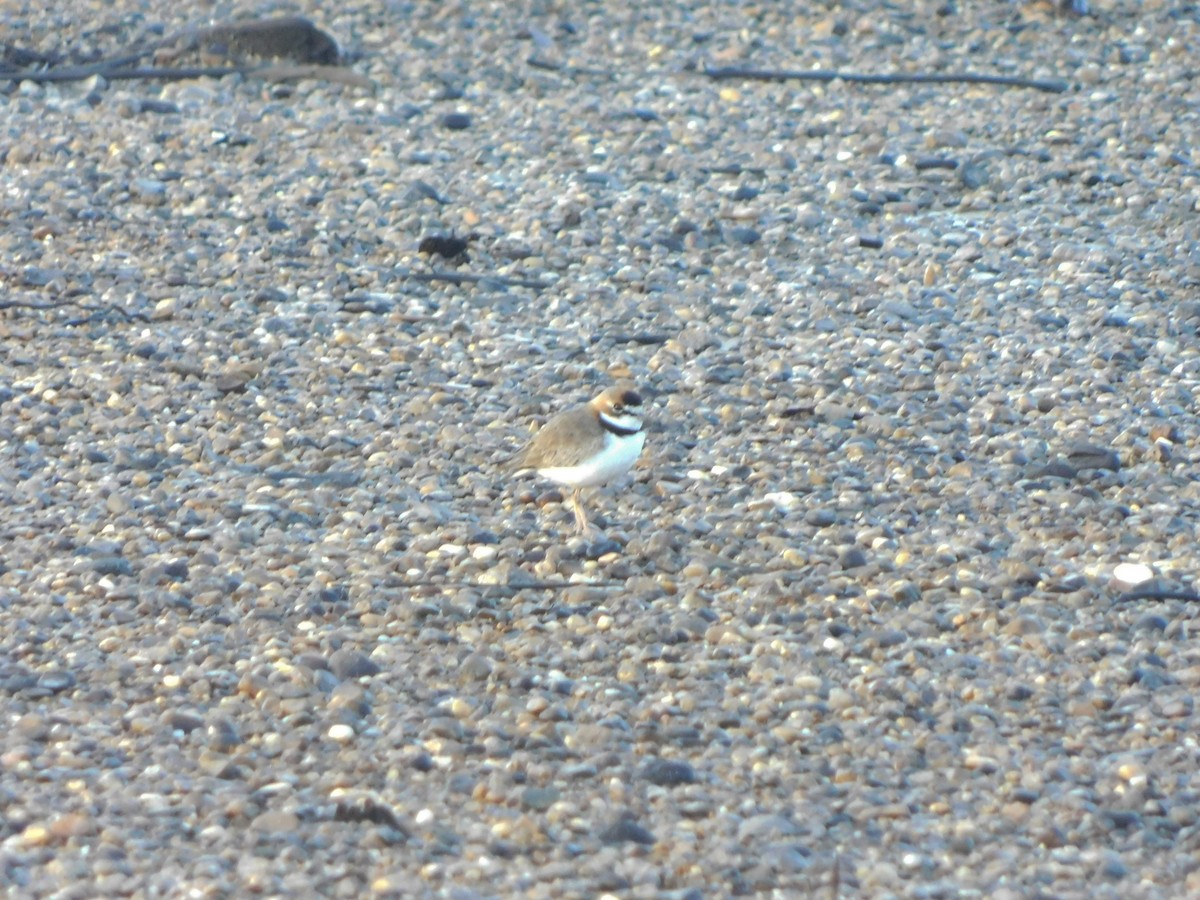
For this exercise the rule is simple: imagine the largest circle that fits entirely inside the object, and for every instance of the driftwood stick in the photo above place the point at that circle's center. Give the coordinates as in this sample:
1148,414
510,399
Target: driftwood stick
508,587
96,310
120,71
1159,593
270,72
749,74
471,278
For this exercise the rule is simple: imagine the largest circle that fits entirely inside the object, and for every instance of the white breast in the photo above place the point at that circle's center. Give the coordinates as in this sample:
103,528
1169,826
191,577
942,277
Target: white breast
618,455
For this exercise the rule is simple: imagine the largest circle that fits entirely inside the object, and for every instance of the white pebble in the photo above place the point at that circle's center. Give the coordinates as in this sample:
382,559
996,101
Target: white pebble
1131,574
783,500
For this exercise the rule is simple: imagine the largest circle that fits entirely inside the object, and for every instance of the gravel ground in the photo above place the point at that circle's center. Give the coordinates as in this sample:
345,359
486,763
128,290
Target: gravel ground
922,365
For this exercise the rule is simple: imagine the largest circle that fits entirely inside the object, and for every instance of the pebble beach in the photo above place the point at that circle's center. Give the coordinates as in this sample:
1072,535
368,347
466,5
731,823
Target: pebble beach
897,602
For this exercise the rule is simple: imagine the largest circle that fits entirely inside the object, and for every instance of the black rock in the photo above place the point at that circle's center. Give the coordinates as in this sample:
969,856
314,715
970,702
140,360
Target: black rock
448,246
668,773
185,721
112,565
368,809
626,830
456,121
852,558
57,681
158,107
744,234
347,663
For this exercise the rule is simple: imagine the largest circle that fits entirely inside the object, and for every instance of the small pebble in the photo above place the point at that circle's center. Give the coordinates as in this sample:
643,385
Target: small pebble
456,121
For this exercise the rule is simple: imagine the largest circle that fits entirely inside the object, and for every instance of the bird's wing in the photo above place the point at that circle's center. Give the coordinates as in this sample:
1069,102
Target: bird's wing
557,443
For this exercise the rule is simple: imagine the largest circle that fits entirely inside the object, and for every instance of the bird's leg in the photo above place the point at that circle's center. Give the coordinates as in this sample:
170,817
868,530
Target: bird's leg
582,526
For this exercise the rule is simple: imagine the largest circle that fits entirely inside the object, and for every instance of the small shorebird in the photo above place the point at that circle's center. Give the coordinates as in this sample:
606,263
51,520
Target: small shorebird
589,444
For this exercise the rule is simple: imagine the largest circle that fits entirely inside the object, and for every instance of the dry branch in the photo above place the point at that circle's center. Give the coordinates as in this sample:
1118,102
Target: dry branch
749,74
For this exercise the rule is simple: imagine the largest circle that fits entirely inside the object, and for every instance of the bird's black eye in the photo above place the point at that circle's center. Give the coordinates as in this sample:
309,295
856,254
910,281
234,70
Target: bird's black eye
618,408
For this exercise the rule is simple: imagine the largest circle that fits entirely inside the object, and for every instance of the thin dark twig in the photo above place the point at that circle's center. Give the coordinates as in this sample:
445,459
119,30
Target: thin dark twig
1155,593
508,585
75,72
95,309
120,71
472,278
550,65
729,72
733,570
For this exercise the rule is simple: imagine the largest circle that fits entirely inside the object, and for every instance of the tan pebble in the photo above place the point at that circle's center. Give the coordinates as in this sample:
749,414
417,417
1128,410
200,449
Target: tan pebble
251,686
629,672
502,829
1131,772
808,682
392,885
840,699
16,760
36,835
1185,816
974,761
965,829
475,667
70,825
793,557
1015,811
786,734
32,726
164,309
1024,625
1175,709
275,821
535,705
341,733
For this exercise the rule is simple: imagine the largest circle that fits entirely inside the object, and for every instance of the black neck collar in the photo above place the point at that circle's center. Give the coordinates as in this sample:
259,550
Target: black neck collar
617,428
